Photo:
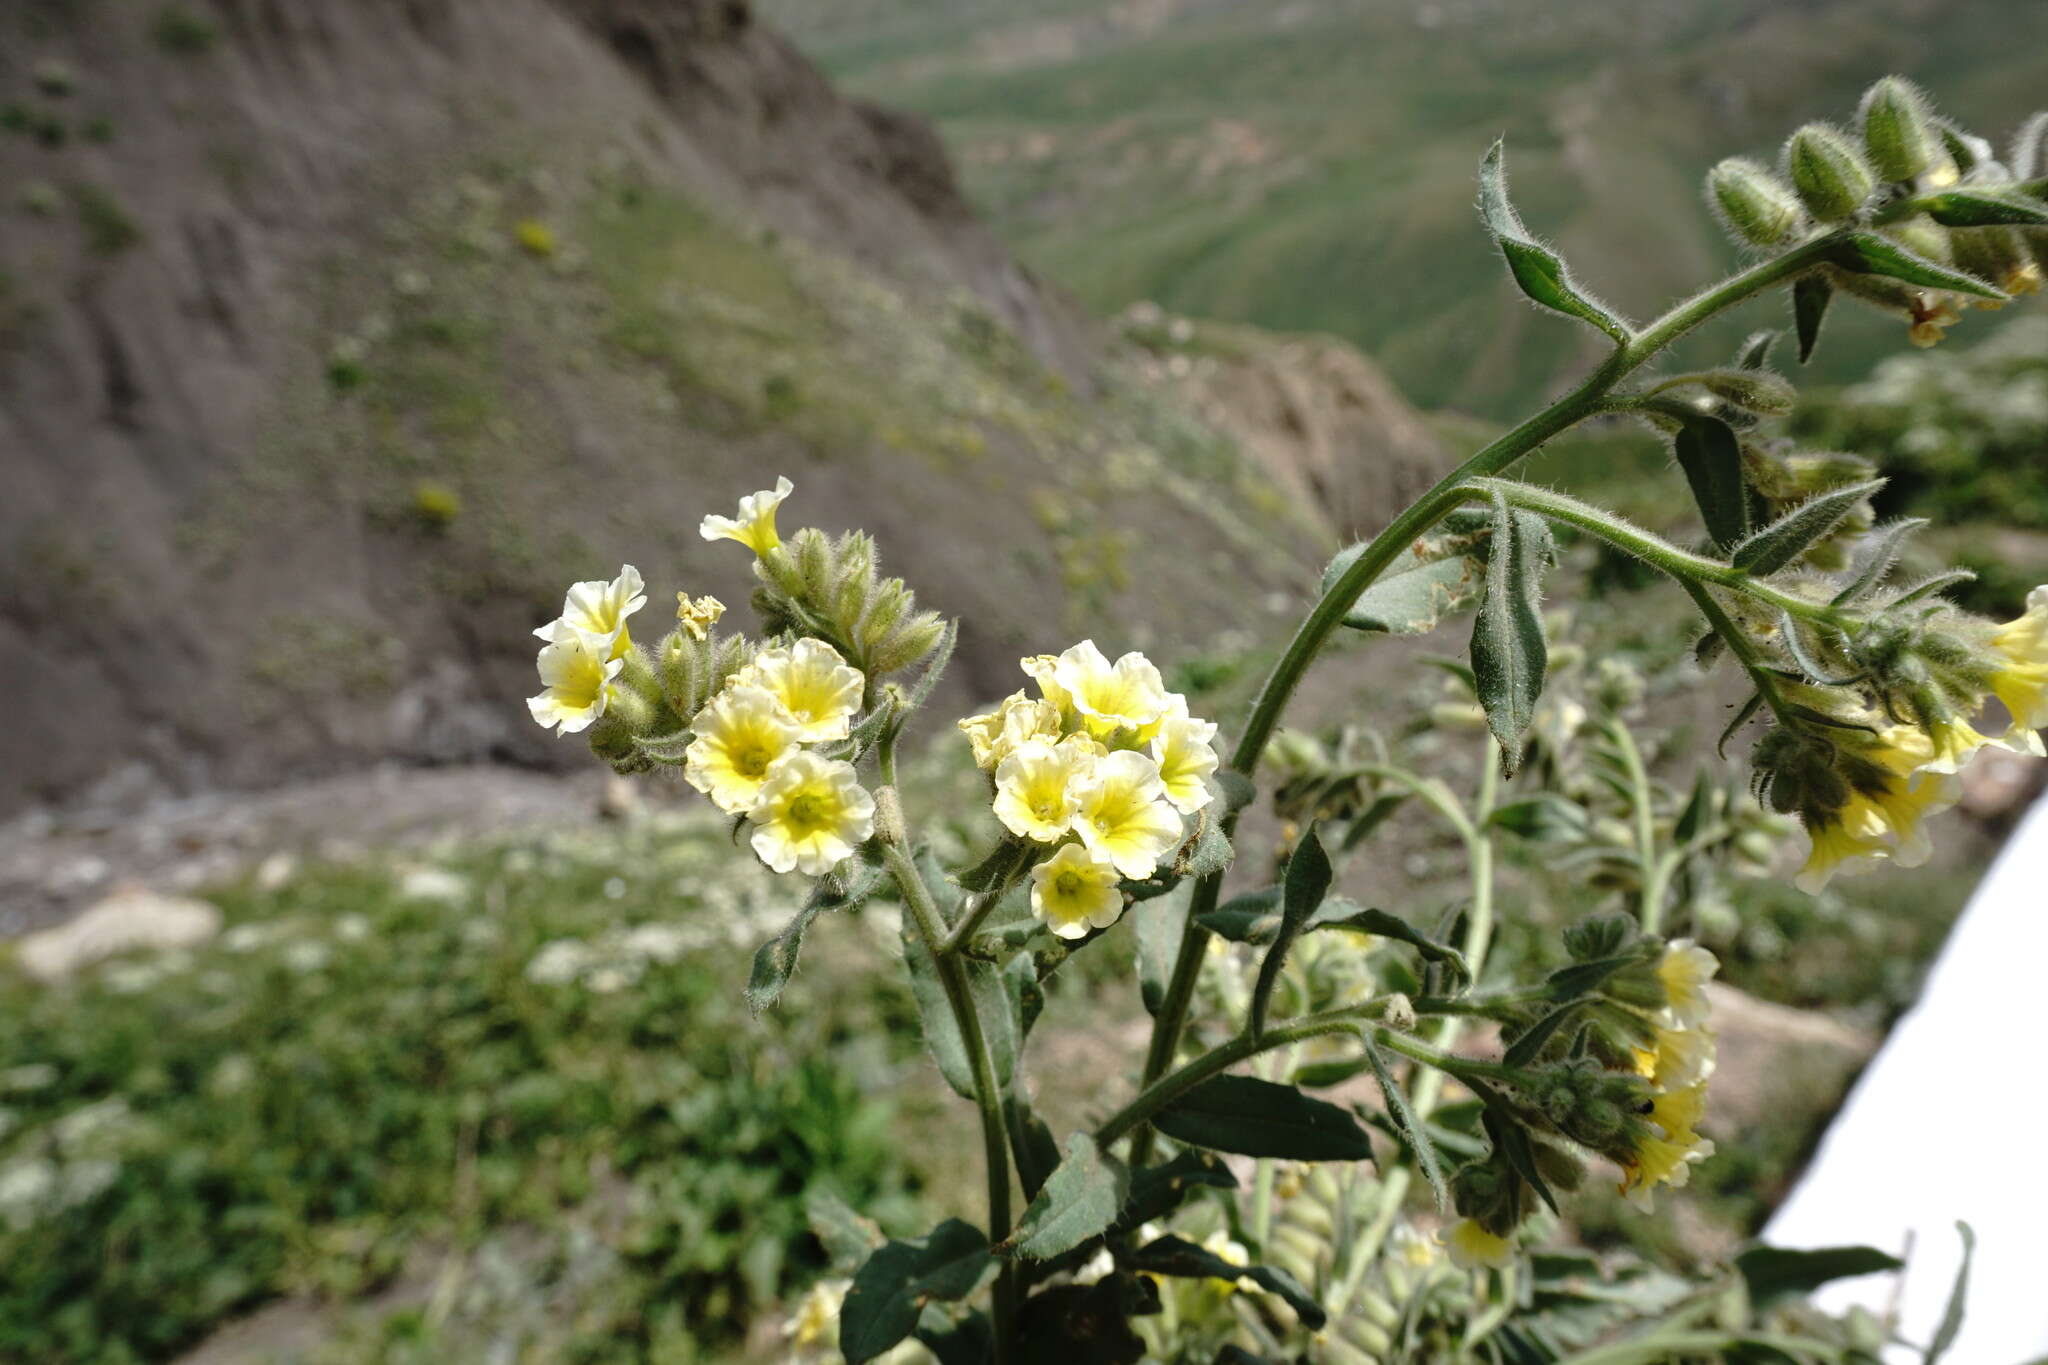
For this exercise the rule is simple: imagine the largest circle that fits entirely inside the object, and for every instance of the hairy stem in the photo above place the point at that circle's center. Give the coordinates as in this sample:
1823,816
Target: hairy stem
987,1094
1588,399
1639,796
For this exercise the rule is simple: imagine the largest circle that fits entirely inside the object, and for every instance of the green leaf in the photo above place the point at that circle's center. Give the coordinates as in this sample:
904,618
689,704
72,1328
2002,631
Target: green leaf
846,1236
1032,1142
1302,890
1540,271
1079,1201
1391,926
1413,1133
1318,1075
1810,295
893,1285
1508,650
1774,1273
775,961
1252,1117
1952,1316
1158,1190
1583,978
1695,812
1531,1040
1084,1324
1183,1260
1437,573
1158,926
1238,790
1968,206
1545,817
1514,1143
1712,460
1755,352
1866,253
990,997
1878,553
967,1342
1375,815
1793,534
1250,918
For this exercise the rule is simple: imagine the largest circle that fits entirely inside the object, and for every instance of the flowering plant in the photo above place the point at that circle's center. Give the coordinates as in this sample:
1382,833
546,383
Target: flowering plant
1113,802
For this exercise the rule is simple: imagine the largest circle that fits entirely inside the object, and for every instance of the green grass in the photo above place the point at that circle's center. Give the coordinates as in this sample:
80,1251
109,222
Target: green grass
354,1079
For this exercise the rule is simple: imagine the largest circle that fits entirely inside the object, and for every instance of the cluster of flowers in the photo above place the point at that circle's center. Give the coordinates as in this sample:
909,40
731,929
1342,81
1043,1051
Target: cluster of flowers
1864,783
754,746
1905,155
1643,1116
1102,766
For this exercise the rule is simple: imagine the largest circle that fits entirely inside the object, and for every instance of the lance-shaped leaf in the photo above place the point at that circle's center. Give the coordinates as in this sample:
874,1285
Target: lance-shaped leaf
1413,1133
1793,534
1952,1316
1079,1201
1251,1117
1879,552
1038,1155
1537,268
1755,351
1508,650
775,961
895,1283
994,1005
1774,1273
1301,894
1185,1261
1810,295
1343,914
1158,926
1866,253
1712,460
1968,206
1514,1143
1253,917
1439,572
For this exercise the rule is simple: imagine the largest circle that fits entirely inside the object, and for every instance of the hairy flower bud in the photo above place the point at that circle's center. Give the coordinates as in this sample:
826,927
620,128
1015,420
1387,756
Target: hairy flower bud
1760,391
1899,132
1830,175
1754,203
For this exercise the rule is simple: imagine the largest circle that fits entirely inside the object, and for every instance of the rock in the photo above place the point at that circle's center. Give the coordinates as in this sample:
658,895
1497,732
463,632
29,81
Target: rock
134,917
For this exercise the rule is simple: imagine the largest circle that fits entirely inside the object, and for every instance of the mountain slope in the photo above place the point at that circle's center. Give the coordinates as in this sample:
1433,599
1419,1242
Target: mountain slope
1309,165
336,339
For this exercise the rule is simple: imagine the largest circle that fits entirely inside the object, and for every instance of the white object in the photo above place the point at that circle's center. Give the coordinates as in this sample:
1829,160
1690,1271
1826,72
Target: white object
1946,1124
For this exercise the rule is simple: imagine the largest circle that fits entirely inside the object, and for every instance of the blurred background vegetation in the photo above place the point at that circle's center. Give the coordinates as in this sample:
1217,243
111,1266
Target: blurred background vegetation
332,346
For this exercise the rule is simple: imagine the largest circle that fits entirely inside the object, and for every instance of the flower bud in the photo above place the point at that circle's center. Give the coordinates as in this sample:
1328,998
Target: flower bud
1760,391
1899,132
685,671
1829,173
1992,254
1923,237
1754,204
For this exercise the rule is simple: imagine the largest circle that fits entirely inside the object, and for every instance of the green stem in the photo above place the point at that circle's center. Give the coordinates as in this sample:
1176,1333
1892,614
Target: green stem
1744,650
1655,551
1429,1090
987,1094
1588,399
982,903
1220,1059
1652,913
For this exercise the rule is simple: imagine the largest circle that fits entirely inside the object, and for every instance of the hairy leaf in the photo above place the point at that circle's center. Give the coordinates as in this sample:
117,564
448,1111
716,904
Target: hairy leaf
1793,534
1413,1133
1080,1200
1968,206
1437,573
775,961
1302,891
1184,1260
1774,1273
1952,1315
893,1285
1712,460
1866,253
1252,1117
1539,270
1508,650
1810,297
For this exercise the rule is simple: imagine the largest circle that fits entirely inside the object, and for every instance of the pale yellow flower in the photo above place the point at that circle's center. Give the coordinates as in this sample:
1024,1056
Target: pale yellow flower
997,734
810,814
1882,819
1073,892
698,615
1954,741
739,736
1678,1058
1124,815
1684,970
1044,669
2021,682
1472,1247
1038,787
816,1322
1127,695
577,676
1180,746
596,611
819,690
1669,1159
754,527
